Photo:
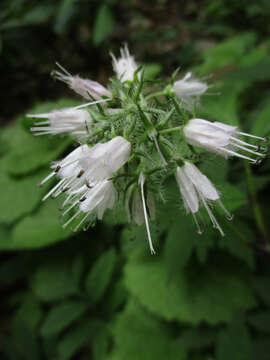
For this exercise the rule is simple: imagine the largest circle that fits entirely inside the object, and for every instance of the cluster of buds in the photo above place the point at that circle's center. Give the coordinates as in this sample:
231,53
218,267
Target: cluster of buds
130,139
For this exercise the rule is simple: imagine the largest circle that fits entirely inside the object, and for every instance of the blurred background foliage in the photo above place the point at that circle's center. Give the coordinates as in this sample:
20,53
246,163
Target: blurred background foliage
100,294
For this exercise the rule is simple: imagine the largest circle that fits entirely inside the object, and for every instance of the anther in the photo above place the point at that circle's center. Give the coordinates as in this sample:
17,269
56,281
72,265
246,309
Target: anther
65,189
83,199
258,162
265,139
80,174
230,217
58,167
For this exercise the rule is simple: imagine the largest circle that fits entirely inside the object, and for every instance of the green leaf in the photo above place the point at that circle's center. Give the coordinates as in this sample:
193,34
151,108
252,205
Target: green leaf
30,312
140,336
73,340
192,295
19,196
51,281
100,274
235,343
261,125
104,24
61,316
40,229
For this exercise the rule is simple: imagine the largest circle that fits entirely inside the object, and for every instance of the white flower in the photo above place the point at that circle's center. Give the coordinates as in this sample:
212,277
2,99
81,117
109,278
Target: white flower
63,121
189,89
105,159
197,189
125,66
85,167
92,201
84,87
220,138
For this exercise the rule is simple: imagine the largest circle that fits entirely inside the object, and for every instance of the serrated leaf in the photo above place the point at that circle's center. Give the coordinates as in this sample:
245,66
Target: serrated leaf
104,24
99,276
138,335
61,316
40,229
193,295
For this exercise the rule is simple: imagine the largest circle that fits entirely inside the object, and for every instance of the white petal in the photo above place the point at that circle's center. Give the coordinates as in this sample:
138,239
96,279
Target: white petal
188,191
200,181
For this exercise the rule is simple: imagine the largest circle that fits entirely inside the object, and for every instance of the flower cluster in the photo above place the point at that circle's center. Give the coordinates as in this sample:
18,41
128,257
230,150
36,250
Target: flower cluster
130,139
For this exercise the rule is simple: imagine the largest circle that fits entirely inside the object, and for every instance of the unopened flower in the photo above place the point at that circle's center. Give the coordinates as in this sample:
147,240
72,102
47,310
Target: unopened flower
86,88
65,121
125,66
221,139
134,206
197,189
189,89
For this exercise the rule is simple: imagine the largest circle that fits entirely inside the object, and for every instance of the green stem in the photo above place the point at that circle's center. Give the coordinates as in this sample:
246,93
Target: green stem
154,95
255,205
166,131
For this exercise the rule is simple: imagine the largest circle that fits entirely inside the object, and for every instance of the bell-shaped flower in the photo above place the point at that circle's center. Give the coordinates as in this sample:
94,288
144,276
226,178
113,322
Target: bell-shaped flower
86,166
86,88
66,121
189,89
91,201
222,139
196,189
125,66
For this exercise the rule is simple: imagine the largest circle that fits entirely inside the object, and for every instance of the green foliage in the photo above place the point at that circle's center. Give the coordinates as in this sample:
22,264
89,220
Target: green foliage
100,294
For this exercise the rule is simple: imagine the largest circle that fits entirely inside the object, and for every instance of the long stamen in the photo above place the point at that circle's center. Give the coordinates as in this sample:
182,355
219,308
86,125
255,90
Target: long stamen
53,189
63,69
47,178
252,136
141,182
248,150
211,215
81,222
199,230
234,153
228,214
243,142
72,218
90,103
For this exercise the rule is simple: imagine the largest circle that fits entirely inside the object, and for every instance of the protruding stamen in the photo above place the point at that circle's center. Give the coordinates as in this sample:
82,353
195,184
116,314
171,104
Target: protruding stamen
211,215
81,222
234,153
141,183
252,136
90,103
199,230
63,69
71,219
46,178
53,189
228,214
258,162
248,150
244,143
